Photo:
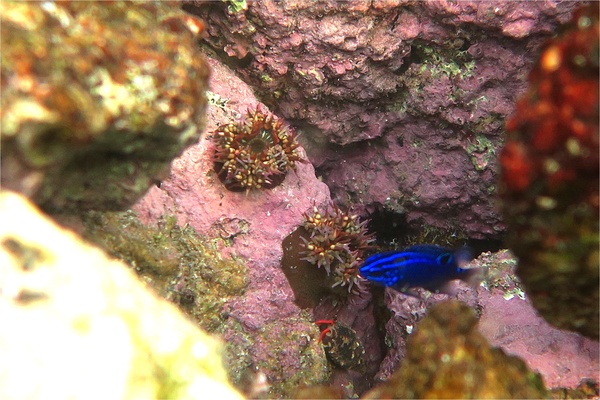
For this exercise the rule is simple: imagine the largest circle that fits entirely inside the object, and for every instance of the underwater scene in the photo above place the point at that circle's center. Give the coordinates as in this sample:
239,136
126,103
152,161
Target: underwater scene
303,199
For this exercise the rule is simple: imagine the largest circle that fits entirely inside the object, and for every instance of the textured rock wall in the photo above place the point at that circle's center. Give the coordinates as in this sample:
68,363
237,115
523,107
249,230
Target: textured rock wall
400,104
267,334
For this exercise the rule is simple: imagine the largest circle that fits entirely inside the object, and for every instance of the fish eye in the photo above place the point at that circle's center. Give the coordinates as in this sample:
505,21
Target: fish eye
444,259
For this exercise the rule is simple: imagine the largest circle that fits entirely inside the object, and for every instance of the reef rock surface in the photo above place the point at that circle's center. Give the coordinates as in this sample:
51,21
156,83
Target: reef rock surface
448,358
507,320
267,334
401,104
93,107
80,325
563,358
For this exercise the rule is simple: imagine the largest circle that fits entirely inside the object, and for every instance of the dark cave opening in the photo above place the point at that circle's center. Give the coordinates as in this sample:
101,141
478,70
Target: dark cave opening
390,228
393,232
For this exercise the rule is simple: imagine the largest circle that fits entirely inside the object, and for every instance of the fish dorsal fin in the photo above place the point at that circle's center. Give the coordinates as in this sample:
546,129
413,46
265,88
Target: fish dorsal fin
383,261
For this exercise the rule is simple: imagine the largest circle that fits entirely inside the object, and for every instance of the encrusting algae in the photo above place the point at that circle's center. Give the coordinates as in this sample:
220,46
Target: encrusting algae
179,264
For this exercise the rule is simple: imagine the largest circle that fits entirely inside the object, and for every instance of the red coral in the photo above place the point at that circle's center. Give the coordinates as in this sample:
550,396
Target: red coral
517,167
550,170
553,135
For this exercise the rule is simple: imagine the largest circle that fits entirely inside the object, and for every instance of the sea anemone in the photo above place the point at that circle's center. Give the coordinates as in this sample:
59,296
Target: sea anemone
254,153
337,242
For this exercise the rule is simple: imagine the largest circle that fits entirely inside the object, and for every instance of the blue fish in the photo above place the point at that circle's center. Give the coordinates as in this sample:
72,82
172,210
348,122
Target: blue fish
428,266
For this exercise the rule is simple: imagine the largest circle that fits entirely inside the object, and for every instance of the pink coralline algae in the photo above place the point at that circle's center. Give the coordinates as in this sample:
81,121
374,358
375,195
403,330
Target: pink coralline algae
263,324
400,105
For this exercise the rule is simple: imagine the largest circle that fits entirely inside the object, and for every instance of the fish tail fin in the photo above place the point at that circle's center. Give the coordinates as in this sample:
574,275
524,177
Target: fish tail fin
473,277
448,288
463,256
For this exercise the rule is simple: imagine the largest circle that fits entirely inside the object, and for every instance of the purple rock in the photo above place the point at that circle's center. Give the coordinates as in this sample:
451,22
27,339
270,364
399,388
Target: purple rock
266,333
507,320
400,104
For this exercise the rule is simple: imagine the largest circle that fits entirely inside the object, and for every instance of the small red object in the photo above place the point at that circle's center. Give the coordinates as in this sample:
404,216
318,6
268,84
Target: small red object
326,330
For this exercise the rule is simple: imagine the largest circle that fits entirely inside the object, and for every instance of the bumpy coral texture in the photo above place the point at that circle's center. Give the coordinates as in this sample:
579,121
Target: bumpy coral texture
447,357
337,242
550,178
254,153
400,103
93,108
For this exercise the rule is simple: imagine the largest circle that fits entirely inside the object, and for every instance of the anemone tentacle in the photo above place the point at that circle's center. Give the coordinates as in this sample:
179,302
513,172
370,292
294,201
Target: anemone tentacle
255,153
337,242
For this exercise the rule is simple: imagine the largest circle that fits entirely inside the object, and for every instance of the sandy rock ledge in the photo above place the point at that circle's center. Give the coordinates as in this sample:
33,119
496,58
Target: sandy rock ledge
80,325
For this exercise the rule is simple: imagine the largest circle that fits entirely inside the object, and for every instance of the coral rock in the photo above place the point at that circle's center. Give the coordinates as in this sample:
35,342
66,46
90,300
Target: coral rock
507,320
398,104
448,358
80,325
269,338
93,107
563,358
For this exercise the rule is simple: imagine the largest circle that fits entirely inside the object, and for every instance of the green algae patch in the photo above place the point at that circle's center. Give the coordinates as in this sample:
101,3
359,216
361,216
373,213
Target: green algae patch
444,236
437,65
179,264
481,151
299,358
499,273
274,361
286,351
445,61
